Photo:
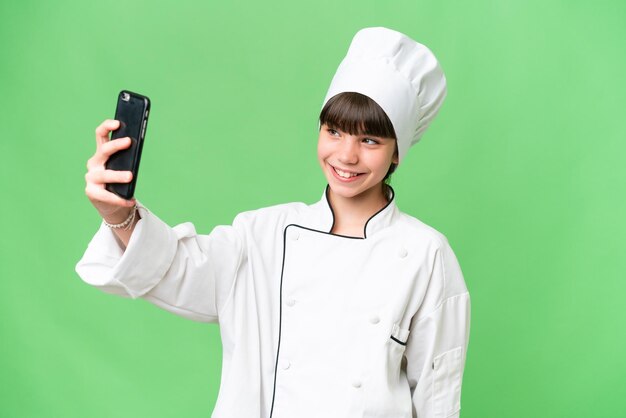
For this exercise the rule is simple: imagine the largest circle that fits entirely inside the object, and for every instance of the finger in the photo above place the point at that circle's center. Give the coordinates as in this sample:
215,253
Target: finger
105,196
108,176
111,147
102,131
104,151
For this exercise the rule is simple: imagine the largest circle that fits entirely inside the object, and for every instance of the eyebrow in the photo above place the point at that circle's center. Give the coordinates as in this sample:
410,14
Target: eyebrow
359,135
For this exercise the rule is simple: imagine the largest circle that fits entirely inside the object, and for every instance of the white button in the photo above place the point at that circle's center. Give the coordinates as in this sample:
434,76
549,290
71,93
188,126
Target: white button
356,384
374,319
291,302
295,235
402,253
285,364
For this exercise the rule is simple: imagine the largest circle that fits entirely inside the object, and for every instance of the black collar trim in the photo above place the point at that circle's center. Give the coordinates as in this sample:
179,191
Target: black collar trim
323,232
393,195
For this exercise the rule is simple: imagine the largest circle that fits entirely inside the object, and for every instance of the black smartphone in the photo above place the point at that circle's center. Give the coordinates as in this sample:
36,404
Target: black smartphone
132,111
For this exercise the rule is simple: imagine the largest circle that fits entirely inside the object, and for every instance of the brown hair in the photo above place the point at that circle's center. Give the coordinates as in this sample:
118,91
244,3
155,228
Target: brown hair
357,114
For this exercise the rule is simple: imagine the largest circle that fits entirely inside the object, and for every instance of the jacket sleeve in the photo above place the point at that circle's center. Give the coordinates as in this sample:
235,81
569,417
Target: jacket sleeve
438,340
177,269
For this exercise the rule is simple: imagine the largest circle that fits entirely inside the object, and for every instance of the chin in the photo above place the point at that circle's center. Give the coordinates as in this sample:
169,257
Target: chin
345,192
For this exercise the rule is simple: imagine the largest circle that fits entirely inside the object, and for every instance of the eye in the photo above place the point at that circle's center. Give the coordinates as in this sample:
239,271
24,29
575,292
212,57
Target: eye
370,141
332,131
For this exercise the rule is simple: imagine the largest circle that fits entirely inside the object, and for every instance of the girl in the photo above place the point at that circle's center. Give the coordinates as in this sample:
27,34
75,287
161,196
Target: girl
344,308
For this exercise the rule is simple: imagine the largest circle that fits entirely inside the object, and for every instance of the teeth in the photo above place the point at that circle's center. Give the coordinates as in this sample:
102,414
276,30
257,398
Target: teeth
345,174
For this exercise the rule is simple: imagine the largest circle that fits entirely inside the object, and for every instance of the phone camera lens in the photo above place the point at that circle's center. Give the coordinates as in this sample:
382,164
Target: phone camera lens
125,97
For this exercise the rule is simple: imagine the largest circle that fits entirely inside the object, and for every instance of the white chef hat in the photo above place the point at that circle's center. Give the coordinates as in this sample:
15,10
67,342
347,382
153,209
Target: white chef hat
402,76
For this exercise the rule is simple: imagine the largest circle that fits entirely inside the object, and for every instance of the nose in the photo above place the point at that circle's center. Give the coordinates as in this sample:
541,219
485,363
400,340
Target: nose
348,152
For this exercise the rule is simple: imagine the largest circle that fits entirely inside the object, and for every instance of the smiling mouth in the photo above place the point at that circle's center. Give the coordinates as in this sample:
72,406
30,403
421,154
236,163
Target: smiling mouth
345,174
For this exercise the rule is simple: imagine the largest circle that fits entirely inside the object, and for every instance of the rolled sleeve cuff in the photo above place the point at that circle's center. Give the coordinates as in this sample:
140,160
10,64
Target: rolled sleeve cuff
148,255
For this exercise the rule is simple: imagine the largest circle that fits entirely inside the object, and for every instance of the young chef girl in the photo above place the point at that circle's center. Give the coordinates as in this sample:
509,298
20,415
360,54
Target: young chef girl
347,307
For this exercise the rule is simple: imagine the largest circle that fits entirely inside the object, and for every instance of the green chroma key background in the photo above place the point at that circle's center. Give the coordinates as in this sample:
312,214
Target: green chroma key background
523,170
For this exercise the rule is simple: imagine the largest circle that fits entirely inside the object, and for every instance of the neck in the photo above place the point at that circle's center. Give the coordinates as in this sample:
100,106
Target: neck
351,213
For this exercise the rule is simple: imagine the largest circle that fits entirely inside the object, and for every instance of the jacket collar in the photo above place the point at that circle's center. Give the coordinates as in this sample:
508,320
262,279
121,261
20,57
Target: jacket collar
324,218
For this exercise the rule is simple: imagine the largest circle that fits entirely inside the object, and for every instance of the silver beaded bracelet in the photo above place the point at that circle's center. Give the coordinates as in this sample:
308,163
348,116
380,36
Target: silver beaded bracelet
126,224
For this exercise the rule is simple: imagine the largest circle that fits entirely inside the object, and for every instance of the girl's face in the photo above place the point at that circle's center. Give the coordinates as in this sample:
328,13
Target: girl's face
354,164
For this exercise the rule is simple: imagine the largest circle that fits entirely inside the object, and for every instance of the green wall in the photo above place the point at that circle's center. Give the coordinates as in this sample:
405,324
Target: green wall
523,170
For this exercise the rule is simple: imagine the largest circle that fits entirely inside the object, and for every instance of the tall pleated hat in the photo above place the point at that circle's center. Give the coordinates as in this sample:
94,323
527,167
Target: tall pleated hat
401,75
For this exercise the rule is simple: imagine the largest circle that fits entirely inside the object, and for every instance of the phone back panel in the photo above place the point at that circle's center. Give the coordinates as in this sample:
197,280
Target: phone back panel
132,112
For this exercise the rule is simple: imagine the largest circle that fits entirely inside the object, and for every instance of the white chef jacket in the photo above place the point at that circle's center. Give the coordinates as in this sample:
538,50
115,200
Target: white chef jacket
313,324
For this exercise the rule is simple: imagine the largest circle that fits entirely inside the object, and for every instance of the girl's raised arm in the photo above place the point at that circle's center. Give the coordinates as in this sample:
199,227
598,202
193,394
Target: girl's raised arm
175,268
111,207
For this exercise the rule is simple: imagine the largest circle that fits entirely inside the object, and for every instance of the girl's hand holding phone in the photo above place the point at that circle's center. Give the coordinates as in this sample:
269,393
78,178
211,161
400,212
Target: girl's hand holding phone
111,207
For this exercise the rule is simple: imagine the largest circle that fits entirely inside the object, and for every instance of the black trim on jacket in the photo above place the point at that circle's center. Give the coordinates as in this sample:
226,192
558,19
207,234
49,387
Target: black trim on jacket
282,270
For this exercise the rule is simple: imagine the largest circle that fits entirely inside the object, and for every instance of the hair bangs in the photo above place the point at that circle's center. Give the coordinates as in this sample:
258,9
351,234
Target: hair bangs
356,114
